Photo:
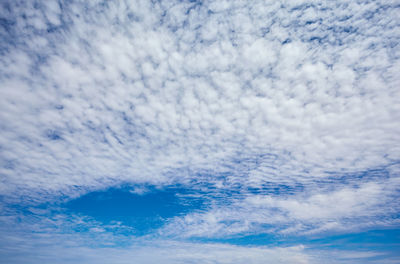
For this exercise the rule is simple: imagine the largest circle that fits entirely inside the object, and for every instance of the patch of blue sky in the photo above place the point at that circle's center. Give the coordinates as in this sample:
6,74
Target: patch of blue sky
144,208
381,239
377,245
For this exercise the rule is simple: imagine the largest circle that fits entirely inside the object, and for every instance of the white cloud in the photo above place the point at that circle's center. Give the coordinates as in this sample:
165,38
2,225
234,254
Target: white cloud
68,249
293,93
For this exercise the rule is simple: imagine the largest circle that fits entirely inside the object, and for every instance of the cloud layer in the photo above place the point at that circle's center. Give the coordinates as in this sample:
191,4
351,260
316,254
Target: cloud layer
284,114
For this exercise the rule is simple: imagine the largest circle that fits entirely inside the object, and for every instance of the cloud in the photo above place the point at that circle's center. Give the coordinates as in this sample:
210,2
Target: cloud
68,248
71,250
344,209
285,114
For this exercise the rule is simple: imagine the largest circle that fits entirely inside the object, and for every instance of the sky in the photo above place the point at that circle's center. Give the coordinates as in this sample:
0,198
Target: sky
188,131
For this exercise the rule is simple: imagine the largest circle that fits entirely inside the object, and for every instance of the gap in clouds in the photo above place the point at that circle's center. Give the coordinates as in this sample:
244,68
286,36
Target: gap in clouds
144,208
385,242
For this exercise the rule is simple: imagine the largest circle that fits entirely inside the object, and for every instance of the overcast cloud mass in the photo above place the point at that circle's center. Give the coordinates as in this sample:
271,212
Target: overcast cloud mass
250,131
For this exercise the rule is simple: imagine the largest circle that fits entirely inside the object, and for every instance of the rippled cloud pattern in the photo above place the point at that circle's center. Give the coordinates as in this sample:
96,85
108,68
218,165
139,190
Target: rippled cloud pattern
199,131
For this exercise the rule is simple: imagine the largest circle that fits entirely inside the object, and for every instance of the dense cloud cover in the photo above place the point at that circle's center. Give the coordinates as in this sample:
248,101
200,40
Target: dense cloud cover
284,115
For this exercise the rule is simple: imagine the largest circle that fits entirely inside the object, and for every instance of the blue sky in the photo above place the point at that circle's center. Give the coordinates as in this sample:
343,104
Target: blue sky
199,131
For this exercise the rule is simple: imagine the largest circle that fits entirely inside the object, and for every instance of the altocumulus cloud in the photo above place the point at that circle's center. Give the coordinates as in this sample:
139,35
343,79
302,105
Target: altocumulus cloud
276,120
